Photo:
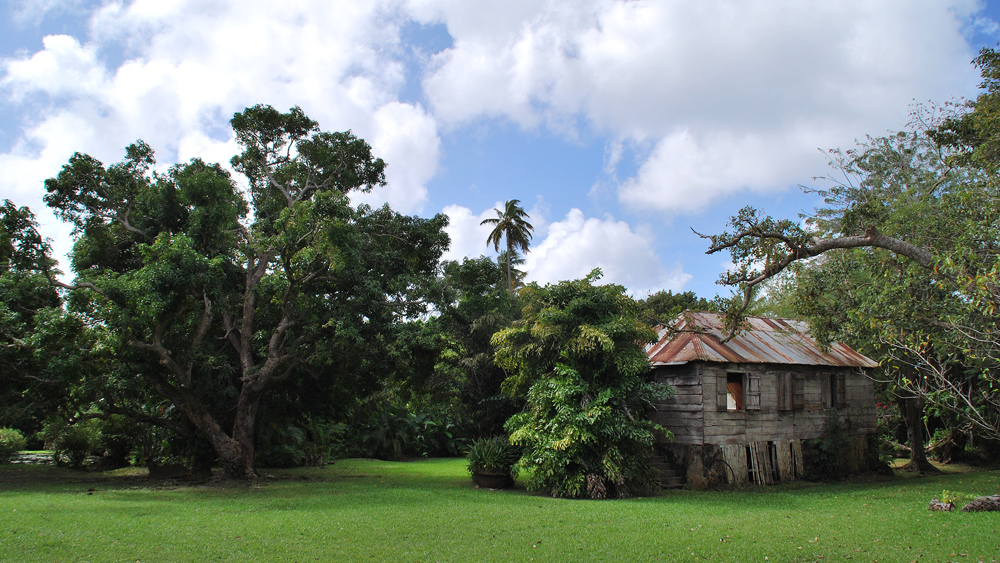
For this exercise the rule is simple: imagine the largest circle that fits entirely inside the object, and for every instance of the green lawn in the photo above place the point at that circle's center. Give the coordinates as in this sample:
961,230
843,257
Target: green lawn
363,510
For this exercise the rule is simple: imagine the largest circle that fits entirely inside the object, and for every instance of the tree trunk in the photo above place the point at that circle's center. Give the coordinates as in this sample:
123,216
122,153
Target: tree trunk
912,409
246,421
237,461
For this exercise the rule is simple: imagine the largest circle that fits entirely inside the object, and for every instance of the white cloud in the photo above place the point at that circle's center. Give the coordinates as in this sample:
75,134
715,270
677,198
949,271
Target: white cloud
576,245
468,237
187,66
733,94
571,248
406,138
685,173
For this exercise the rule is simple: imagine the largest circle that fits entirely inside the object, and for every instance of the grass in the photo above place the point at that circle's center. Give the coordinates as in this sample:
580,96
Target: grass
365,510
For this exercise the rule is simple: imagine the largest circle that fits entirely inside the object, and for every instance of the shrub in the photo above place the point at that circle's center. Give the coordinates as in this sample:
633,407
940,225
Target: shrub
116,439
11,442
578,354
493,456
394,432
72,444
323,442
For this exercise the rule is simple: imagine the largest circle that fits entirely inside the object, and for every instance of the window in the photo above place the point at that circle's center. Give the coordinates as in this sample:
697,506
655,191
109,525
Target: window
834,390
791,395
734,391
739,391
786,392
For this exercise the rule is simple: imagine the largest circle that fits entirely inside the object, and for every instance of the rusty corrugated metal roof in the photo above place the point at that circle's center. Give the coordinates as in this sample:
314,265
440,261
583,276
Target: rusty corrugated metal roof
698,336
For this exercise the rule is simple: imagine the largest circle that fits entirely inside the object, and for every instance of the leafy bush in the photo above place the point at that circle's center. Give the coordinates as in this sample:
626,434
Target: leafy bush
117,438
323,442
394,433
311,442
11,442
578,350
493,456
280,445
73,443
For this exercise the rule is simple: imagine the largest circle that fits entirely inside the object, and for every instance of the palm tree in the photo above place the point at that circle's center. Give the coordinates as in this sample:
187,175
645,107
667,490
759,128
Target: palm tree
510,225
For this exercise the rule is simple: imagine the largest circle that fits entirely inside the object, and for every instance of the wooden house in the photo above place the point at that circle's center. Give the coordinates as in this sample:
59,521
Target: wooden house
743,407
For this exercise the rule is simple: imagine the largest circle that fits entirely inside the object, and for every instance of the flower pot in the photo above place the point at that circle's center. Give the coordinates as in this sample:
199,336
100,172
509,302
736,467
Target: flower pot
492,481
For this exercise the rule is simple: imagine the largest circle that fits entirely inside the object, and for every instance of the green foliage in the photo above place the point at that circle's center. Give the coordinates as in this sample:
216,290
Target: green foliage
311,441
117,438
280,445
948,497
822,455
474,304
394,433
323,441
72,444
578,354
228,303
663,307
493,456
11,442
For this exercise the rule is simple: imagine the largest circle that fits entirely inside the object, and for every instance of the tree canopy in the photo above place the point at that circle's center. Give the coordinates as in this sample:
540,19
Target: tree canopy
577,353
222,295
902,260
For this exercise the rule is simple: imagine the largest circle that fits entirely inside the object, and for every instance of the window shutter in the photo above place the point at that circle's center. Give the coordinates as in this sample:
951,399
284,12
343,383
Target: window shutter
798,391
720,392
841,390
786,394
753,392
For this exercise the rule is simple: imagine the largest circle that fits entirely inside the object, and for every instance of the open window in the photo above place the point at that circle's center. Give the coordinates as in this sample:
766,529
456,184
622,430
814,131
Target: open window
734,392
740,391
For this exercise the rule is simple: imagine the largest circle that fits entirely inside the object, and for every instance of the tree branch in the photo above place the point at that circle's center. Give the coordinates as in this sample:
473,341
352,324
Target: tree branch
796,251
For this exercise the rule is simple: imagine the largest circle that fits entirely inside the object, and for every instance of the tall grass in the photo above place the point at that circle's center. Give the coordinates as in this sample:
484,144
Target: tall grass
363,510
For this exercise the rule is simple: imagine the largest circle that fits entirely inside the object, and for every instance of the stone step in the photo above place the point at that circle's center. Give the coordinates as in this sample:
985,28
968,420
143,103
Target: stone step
670,477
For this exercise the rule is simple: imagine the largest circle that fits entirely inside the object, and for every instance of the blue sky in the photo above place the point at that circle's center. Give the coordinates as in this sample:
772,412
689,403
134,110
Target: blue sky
620,125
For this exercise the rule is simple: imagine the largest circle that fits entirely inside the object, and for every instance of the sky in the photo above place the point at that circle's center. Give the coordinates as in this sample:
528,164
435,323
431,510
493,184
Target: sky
622,126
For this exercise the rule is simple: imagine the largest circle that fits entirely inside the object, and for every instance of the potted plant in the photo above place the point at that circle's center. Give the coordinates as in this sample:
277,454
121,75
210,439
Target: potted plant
491,462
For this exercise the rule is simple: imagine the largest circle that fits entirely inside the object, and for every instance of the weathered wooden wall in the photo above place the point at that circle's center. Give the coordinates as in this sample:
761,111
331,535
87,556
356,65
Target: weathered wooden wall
696,413
760,444
683,414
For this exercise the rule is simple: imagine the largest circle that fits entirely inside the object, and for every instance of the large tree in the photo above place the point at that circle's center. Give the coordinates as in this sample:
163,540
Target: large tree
42,347
577,353
475,304
218,292
510,225
902,260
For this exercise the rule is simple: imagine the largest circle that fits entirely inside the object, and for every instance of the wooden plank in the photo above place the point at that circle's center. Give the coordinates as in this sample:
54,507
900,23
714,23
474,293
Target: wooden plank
754,465
683,400
686,432
797,457
736,458
767,450
690,414
784,461
678,380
